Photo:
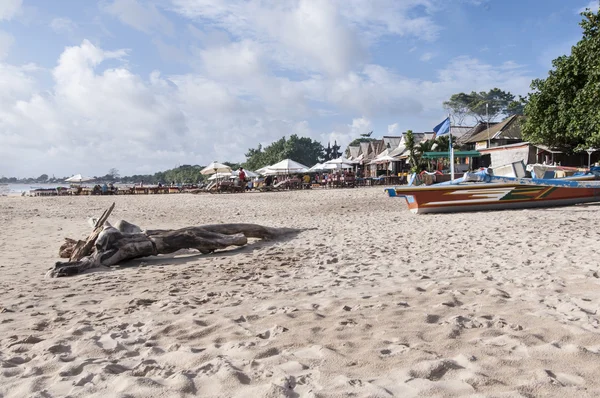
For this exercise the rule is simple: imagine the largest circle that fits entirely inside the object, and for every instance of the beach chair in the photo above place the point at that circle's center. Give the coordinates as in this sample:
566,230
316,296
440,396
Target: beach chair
210,187
281,185
224,186
235,188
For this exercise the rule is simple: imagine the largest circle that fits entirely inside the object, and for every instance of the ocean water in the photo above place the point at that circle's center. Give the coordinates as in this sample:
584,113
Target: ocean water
17,189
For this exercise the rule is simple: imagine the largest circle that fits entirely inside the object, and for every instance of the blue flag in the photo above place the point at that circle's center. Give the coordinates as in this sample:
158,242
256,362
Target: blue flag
443,127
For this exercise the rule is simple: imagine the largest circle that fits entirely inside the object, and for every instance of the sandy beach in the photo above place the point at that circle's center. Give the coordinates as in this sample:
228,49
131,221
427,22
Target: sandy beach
373,302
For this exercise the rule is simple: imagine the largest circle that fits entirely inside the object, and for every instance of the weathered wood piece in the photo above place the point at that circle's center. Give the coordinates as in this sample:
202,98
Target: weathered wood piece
66,249
125,241
82,248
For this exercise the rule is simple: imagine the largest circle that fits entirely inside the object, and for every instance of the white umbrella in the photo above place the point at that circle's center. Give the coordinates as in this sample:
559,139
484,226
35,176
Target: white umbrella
384,159
287,166
218,176
249,174
317,167
262,170
339,163
335,166
78,178
215,167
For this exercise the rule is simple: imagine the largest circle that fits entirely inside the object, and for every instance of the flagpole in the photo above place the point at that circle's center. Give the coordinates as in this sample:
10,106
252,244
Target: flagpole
451,150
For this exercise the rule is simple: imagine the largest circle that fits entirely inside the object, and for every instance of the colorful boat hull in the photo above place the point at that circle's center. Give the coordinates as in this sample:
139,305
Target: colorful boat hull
504,193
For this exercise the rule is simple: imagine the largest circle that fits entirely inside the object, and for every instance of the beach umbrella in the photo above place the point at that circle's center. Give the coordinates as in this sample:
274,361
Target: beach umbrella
317,168
337,166
287,166
339,163
249,174
384,159
218,176
215,167
262,170
78,178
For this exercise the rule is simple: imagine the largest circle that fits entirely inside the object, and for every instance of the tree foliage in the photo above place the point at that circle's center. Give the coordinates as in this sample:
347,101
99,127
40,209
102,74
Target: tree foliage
562,111
416,151
234,166
411,145
185,174
114,173
301,149
499,103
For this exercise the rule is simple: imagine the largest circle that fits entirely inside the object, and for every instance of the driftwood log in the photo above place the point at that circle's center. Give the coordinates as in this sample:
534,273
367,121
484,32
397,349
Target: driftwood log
84,248
113,245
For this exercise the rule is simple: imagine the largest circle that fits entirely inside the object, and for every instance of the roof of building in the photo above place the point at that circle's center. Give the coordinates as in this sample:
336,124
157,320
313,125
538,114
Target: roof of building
354,151
508,129
424,136
519,145
458,154
377,146
479,127
392,141
397,151
460,131
364,148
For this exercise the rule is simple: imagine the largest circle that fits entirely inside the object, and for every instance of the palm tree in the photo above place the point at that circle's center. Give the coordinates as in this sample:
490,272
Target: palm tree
422,147
411,146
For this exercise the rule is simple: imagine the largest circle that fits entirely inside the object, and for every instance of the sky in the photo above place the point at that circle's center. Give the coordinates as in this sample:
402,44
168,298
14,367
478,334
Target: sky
147,85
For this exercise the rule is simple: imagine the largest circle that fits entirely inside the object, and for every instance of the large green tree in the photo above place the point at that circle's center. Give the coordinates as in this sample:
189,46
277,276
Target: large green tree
563,110
473,105
300,149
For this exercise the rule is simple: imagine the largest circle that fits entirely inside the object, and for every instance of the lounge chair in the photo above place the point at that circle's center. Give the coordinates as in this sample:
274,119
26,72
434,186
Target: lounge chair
210,186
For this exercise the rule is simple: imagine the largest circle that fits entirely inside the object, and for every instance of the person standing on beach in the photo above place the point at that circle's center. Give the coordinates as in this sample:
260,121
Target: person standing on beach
242,176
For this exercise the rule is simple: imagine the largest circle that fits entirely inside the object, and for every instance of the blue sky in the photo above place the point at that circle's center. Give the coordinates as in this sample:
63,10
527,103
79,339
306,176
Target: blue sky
146,85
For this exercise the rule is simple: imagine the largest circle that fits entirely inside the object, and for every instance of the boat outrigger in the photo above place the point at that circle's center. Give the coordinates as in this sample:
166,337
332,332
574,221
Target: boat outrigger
483,191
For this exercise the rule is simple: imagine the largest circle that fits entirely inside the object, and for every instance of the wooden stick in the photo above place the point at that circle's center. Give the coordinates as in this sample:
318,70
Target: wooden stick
83,249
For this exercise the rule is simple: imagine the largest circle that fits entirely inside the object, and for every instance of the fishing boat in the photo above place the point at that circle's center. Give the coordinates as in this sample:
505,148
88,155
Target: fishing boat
483,191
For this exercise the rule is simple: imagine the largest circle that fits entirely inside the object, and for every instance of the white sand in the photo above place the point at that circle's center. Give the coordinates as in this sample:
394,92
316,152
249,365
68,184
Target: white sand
376,302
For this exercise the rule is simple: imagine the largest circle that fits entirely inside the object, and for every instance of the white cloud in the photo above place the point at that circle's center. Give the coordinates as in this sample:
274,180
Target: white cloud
60,25
393,129
144,17
261,70
6,42
89,112
397,17
328,37
427,57
238,60
9,9
592,6
344,134
124,119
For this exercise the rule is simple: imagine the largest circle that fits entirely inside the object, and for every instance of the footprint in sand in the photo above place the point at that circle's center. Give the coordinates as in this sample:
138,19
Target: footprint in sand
274,331
433,370
431,318
394,349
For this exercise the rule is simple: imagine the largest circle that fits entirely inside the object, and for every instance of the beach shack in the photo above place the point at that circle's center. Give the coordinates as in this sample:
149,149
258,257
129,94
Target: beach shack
463,160
484,139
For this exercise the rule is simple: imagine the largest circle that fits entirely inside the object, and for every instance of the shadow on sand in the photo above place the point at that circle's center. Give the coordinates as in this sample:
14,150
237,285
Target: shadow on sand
190,255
